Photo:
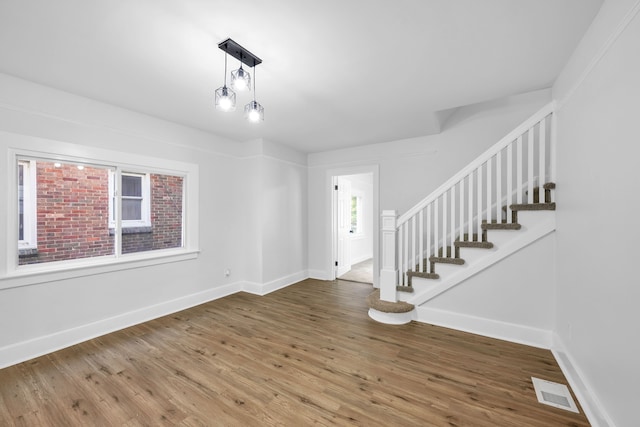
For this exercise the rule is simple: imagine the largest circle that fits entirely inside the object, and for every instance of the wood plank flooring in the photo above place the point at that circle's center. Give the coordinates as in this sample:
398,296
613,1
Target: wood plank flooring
305,355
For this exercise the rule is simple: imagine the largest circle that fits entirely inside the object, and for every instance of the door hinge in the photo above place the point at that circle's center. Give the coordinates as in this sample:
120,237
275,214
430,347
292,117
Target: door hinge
336,187
336,263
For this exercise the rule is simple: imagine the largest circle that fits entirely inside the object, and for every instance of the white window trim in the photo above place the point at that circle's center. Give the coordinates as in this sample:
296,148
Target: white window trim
30,230
146,200
25,146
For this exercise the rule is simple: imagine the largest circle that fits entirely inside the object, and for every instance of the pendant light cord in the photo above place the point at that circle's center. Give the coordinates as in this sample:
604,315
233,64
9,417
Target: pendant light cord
226,54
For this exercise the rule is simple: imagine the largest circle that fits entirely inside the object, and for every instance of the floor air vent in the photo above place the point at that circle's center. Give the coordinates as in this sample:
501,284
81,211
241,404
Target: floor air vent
554,394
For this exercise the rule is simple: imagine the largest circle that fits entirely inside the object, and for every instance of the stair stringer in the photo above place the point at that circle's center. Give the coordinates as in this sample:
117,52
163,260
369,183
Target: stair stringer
535,226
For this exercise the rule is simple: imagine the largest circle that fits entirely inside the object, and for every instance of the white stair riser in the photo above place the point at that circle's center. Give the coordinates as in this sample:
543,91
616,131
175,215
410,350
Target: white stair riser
445,270
470,255
534,217
419,286
500,237
505,243
404,296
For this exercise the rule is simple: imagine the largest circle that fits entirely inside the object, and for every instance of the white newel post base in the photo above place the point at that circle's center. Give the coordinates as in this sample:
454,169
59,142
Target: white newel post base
391,318
388,285
389,271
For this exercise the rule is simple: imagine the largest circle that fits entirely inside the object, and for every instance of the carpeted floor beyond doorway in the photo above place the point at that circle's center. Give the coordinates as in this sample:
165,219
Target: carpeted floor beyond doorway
361,272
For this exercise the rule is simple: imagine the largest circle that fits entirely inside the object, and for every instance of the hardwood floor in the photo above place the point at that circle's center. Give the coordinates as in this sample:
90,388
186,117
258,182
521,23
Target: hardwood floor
304,355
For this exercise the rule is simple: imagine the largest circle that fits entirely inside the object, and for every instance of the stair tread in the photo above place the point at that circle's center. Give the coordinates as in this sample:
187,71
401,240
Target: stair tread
447,260
549,186
423,275
404,289
373,301
500,226
534,207
466,244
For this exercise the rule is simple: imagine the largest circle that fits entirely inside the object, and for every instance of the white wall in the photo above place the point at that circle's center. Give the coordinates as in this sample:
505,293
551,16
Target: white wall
51,314
283,215
410,169
598,293
511,300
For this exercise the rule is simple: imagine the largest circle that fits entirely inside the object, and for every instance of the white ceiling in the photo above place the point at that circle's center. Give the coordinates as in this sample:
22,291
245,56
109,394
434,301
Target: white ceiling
335,73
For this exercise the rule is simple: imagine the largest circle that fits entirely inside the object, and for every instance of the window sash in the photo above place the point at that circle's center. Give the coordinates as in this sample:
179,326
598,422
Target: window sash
21,170
27,223
134,214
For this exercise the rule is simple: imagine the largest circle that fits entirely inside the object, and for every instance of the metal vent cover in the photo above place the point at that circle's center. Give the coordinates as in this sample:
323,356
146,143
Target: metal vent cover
554,394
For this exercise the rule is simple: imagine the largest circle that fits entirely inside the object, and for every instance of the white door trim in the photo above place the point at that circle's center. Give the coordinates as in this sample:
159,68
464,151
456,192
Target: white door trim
329,216
343,228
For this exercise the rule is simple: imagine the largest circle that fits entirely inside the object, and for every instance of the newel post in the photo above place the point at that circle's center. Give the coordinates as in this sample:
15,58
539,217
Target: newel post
389,269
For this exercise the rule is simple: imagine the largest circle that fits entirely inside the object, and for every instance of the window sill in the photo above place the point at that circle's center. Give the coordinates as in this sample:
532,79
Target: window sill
27,252
132,230
43,273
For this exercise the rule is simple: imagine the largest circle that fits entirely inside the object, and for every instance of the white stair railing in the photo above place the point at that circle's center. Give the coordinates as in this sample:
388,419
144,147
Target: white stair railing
505,174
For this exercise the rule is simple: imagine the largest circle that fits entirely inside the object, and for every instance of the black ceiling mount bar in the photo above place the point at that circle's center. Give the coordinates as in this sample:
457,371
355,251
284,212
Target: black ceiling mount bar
240,53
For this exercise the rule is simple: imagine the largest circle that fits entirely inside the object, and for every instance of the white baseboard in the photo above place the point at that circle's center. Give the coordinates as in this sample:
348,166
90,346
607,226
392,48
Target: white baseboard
318,274
25,350
274,285
486,327
592,407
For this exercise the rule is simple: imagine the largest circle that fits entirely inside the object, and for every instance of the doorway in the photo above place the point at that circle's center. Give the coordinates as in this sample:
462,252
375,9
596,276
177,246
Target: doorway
355,228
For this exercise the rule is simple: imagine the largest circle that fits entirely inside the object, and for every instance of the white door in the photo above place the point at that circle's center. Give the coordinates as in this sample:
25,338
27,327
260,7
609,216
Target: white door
344,226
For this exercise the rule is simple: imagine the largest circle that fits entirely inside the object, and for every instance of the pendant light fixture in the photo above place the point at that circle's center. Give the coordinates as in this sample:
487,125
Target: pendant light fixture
240,80
225,97
253,111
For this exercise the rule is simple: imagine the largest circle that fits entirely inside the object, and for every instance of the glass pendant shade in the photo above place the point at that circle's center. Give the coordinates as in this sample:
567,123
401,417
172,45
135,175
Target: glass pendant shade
254,112
240,79
225,99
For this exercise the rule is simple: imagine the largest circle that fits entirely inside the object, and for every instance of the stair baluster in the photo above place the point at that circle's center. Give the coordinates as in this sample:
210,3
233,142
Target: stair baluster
414,243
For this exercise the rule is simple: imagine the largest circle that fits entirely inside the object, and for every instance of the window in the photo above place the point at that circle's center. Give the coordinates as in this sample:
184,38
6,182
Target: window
58,210
132,200
26,207
356,215
75,207
136,200
21,173
70,210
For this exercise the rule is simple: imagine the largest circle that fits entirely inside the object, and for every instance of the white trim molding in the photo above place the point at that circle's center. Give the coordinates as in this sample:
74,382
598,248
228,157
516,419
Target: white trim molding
512,332
593,408
22,351
274,285
319,275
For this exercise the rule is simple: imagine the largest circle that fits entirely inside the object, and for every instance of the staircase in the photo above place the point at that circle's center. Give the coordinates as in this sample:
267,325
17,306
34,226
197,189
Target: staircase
496,205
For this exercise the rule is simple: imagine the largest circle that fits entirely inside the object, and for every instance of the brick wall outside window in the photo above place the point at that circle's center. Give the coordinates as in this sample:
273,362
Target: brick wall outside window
166,218
166,211
73,215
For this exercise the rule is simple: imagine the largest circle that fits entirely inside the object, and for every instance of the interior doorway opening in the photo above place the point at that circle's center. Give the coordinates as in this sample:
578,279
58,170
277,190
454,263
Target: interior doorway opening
354,231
